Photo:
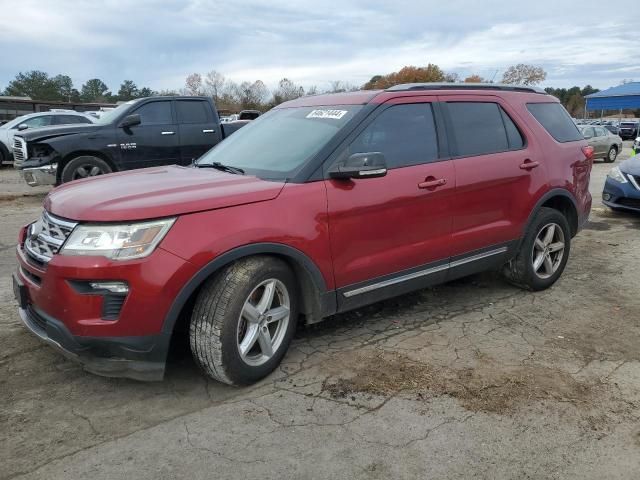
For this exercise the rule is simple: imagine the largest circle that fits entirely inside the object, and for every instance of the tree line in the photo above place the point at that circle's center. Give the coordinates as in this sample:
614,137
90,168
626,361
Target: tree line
40,86
235,96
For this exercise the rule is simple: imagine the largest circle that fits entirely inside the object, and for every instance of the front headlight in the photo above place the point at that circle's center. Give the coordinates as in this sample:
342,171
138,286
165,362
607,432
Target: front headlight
617,175
118,242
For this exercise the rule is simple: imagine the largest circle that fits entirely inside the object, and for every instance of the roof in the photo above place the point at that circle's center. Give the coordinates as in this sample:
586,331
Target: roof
631,88
359,97
464,86
625,96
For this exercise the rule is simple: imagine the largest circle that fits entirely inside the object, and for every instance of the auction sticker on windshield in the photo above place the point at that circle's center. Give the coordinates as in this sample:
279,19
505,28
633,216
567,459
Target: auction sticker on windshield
332,114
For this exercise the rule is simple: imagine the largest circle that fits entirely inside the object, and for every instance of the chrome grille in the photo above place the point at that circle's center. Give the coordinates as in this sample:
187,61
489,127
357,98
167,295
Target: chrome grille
19,151
46,236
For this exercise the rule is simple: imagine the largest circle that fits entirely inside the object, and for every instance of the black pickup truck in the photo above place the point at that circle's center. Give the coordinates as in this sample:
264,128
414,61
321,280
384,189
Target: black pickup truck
141,133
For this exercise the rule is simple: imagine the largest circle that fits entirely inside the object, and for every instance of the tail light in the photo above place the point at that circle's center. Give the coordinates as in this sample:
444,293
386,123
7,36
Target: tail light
588,152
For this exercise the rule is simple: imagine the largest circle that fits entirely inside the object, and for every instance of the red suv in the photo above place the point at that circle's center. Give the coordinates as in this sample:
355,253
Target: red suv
324,204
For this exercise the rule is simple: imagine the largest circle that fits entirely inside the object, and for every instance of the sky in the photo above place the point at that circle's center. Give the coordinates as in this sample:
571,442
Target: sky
157,43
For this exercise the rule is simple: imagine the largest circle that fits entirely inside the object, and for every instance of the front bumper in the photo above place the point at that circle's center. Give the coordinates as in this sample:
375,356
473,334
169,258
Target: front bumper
138,358
623,196
82,324
45,175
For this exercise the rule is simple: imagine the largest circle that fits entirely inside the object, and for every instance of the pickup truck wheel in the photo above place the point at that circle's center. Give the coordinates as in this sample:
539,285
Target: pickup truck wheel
611,156
543,253
84,167
244,319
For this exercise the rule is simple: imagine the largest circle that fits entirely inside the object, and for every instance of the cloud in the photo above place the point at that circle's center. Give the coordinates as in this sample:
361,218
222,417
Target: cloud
157,43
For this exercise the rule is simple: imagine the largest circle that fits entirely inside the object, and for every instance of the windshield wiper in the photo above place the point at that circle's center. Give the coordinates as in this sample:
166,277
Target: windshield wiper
221,166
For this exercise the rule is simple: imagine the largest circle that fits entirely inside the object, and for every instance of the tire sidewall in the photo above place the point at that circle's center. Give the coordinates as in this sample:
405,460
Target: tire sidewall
544,217
236,369
72,165
608,157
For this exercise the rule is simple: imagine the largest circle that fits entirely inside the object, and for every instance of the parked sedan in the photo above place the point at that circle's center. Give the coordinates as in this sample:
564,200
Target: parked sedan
622,187
35,120
606,145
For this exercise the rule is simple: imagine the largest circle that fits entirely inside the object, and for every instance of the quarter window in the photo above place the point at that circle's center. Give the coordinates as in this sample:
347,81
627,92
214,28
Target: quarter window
155,113
405,134
555,120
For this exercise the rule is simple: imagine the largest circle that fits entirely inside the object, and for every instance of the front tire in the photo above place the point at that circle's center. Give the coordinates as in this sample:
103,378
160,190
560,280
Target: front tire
84,166
543,253
611,155
244,319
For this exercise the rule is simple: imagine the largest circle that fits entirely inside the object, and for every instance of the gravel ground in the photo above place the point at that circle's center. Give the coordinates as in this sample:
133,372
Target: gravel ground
472,379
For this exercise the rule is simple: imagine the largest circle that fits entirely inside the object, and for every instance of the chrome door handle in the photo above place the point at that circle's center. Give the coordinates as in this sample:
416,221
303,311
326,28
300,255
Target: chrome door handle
208,131
168,133
432,182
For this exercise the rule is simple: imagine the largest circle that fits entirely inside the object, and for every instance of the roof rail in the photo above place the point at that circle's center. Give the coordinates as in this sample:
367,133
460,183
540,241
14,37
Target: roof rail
463,86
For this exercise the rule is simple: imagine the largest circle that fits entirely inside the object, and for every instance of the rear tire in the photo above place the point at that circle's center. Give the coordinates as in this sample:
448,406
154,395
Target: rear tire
237,335
84,167
611,155
543,253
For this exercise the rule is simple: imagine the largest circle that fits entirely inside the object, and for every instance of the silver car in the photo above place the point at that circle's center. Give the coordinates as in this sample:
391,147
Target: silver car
34,120
606,145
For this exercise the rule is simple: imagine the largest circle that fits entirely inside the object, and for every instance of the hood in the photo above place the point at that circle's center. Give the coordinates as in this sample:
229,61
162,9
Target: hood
156,192
42,133
631,165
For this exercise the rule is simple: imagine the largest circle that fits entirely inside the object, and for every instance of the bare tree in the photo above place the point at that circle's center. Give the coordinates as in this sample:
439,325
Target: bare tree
287,90
193,84
523,74
251,95
214,84
338,86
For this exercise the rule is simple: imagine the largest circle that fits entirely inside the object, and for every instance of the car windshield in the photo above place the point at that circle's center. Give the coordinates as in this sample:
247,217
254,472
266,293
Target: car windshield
279,143
111,115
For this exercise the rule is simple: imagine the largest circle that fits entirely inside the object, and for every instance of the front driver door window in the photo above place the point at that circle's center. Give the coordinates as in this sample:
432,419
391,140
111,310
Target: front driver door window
155,141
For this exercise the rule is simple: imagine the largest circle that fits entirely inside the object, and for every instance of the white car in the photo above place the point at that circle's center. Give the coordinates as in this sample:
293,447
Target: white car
34,120
636,145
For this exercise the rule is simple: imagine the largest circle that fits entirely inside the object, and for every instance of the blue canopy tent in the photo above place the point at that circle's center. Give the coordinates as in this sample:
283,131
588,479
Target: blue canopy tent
626,96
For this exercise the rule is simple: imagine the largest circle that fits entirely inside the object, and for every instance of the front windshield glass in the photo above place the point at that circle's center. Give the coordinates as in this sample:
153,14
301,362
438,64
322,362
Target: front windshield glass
111,115
281,142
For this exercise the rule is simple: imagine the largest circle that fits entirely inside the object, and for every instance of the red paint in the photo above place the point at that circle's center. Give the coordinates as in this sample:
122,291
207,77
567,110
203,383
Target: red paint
352,231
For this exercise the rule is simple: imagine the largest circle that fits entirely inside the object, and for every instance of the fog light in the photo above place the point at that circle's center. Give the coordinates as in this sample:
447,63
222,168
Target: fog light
606,197
113,287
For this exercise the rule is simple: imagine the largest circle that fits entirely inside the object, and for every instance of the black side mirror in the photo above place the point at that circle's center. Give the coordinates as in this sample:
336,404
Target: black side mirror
130,121
23,126
361,165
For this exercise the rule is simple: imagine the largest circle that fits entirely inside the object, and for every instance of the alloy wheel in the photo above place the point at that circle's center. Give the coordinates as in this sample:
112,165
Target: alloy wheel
263,322
548,250
613,153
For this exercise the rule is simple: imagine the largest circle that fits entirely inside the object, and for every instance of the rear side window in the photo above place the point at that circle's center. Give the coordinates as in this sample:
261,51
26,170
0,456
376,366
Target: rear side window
479,128
405,134
588,132
192,111
555,120
69,119
155,113
601,132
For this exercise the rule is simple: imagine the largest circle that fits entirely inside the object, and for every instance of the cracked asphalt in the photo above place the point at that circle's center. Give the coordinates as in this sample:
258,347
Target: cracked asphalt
472,379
